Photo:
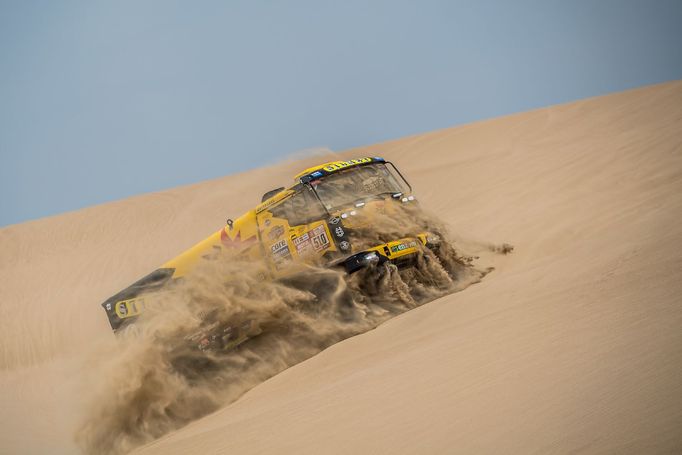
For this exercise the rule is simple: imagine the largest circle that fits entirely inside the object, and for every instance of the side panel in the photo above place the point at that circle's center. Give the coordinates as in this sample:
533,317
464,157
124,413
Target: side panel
277,244
241,238
312,241
295,233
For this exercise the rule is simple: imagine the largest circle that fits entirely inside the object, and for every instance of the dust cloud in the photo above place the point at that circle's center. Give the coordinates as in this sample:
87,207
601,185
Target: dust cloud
186,356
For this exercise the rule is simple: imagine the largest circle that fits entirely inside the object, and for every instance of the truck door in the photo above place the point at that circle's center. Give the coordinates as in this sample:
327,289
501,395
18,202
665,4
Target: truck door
294,231
274,229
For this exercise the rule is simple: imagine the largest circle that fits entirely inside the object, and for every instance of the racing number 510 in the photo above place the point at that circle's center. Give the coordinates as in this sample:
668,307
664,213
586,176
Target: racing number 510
320,241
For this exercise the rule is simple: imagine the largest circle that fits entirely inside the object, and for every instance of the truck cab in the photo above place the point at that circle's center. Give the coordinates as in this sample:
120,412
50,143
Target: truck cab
324,219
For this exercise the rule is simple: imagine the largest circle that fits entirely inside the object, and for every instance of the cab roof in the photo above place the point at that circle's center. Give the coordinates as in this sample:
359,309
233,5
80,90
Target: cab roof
322,170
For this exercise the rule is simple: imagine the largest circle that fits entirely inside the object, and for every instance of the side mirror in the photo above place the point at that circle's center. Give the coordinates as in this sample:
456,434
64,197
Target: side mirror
271,193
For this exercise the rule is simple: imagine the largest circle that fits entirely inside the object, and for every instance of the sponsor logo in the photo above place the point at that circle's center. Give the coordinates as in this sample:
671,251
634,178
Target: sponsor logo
312,241
403,246
344,164
303,244
302,239
276,232
122,309
131,307
237,242
318,237
339,231
280,253
334,220
282,244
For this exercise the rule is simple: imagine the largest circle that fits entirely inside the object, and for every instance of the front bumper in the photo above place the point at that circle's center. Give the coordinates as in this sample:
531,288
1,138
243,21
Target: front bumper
399,252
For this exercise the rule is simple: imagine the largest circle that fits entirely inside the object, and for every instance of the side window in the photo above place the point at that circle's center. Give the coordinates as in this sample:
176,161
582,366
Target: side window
301,208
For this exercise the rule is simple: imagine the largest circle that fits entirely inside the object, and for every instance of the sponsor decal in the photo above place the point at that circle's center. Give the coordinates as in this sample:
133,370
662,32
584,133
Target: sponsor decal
237,242
122,309
334,220
280,253
318,237
339,231
276,232
133,307
317,174
281,245
312,241
129,308
344,164
303,245
403,246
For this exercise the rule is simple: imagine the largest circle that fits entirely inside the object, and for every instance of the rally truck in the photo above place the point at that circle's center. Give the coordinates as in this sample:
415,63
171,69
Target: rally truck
325,219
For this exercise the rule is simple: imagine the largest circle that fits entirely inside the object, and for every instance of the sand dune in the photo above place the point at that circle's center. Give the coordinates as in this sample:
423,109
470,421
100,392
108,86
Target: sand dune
573,344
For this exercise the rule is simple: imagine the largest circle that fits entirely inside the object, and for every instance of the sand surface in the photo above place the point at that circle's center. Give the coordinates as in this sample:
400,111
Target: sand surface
572,345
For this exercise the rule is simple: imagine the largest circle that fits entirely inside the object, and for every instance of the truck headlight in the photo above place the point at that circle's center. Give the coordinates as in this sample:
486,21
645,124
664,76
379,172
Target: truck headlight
370,258
432,238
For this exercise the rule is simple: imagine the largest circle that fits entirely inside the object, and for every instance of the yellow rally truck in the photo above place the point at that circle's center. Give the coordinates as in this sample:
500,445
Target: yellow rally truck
318,221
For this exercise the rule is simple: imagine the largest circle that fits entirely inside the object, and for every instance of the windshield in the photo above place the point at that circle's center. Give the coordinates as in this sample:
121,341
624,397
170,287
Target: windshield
357,184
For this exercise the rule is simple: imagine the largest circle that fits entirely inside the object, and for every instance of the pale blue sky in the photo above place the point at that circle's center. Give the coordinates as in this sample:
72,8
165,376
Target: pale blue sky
103,100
